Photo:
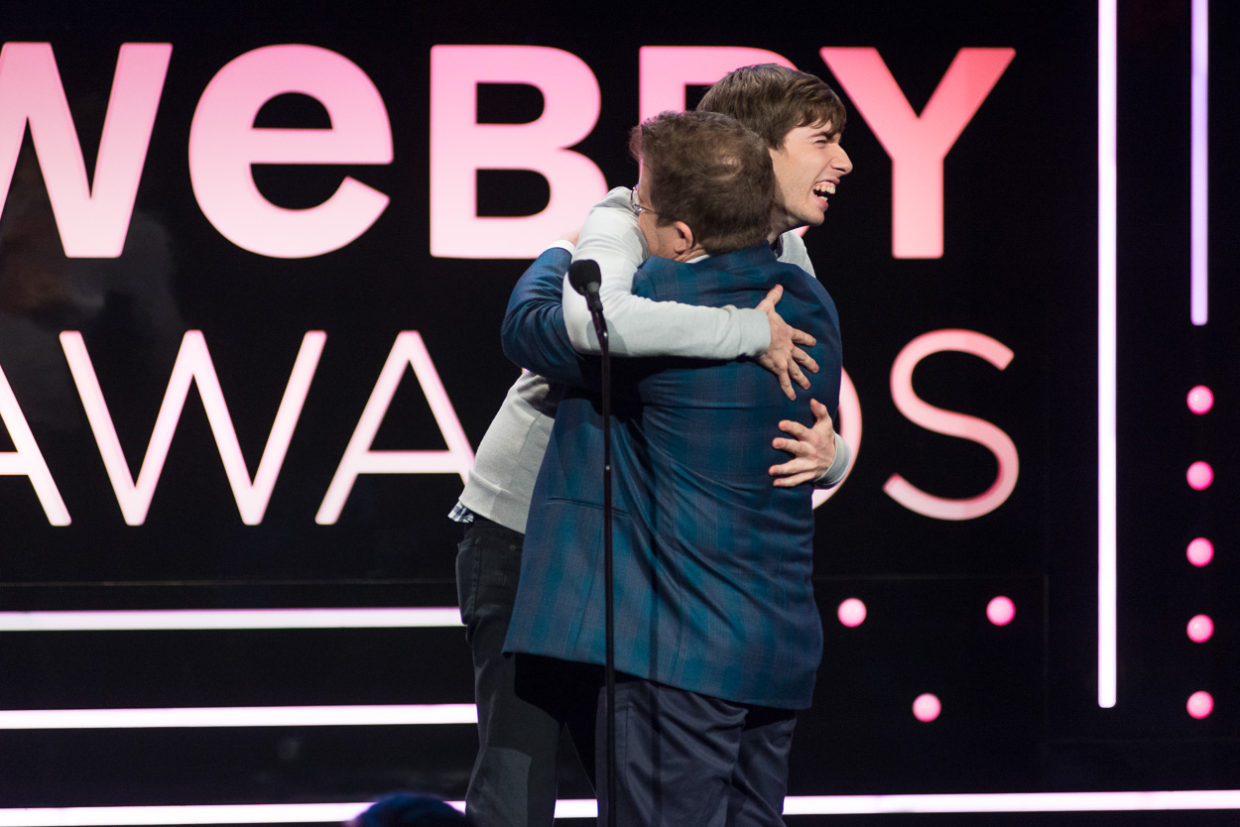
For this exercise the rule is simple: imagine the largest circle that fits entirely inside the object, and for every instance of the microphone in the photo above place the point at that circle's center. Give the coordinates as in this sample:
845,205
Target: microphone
584,276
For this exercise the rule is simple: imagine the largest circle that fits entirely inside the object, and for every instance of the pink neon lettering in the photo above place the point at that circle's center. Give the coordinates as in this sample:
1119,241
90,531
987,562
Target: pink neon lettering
193,366
93,219
917,145
952,424
27,460
665,71
407,350
223,144
460,146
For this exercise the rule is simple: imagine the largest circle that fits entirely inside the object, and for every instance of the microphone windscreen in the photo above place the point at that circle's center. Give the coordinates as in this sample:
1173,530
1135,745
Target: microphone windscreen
583,273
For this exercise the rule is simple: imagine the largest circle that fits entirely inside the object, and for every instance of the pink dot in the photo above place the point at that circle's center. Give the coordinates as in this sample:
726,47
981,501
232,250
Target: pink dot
1200,551
1200,705
926,708
1200,475
1200,399
1000,611
851,612
1200,628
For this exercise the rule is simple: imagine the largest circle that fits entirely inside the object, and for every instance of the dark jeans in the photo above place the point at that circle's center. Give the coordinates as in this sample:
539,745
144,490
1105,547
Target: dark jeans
690,760
514,776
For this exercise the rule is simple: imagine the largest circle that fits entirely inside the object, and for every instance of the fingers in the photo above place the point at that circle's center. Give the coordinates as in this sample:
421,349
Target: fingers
800,337
785,384
794,480
767,305
789,474
797,376
813,448
806,361
792,446
799,432
780,370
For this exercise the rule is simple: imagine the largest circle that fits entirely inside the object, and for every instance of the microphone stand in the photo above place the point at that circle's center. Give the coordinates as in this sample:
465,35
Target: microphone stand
584,277
609,633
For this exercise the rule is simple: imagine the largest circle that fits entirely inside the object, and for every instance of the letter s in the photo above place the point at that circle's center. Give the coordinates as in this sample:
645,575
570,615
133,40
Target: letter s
952,424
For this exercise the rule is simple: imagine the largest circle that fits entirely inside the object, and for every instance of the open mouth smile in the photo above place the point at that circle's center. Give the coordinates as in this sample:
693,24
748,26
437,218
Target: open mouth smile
824,189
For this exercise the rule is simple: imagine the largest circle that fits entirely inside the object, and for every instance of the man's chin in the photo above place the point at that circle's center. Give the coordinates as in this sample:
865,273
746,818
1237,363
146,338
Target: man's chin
789,222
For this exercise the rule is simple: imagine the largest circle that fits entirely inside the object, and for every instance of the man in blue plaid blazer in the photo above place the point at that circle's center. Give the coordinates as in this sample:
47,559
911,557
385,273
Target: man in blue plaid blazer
717,631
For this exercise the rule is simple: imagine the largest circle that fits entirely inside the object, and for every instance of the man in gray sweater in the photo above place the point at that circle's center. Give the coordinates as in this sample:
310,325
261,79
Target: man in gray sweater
800,117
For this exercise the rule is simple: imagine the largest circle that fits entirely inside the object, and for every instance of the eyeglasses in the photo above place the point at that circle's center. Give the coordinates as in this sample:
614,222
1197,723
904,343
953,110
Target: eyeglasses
636,204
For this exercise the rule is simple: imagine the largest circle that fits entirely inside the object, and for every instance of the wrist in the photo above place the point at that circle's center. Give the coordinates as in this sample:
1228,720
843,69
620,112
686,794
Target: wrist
755,330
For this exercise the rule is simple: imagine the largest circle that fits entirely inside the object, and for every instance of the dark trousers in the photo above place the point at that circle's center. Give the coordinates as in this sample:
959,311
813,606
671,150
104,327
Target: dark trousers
514,776
690,760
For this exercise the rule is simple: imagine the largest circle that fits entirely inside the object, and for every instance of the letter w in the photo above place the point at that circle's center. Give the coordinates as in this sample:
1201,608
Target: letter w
193,365
93,219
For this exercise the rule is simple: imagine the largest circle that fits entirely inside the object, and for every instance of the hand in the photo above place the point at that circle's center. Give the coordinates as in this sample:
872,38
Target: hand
570,236
813,449
783,358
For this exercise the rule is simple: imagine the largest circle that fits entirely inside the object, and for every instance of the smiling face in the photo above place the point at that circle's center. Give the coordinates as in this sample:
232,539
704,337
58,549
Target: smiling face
808,167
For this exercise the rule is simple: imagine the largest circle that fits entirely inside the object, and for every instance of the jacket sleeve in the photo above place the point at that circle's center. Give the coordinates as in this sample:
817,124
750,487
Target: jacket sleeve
533,334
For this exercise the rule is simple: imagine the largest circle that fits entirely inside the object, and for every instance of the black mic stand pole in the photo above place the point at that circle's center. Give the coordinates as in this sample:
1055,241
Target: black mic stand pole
609,671
585,278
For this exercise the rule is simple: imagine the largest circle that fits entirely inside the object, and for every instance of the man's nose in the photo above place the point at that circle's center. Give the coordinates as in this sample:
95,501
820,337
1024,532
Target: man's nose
842,162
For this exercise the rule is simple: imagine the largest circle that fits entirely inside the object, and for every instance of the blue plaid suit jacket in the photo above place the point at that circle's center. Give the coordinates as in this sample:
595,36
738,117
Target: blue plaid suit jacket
712,562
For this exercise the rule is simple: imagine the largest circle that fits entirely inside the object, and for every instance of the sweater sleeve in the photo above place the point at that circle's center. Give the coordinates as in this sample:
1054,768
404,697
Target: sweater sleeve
642,327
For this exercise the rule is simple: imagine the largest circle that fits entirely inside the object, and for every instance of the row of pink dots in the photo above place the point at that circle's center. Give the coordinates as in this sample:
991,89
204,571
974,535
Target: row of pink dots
1200,550
927,707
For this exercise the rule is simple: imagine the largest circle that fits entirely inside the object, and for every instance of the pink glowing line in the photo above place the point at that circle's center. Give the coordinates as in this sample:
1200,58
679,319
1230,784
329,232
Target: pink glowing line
239,716
190,814
1106,353
586,808
189,619
1199,164
1014,802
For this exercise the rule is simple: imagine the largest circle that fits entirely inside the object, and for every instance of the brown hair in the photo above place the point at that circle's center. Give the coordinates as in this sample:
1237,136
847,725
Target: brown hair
772,100
709,171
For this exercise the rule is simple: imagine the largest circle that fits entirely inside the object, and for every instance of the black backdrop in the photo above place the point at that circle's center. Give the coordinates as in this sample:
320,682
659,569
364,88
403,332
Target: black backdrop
1019,265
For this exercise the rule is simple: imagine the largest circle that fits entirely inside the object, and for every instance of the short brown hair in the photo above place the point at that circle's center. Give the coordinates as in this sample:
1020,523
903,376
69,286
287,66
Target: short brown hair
773,100
709,171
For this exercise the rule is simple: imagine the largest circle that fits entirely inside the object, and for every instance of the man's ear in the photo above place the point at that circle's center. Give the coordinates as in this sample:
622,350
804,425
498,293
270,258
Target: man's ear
684,238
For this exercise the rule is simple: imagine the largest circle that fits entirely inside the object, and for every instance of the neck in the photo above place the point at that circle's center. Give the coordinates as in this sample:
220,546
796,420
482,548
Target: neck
780,224
693,252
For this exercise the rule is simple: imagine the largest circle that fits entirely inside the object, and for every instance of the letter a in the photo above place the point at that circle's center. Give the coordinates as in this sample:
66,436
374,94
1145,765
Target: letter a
408,349
28,460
